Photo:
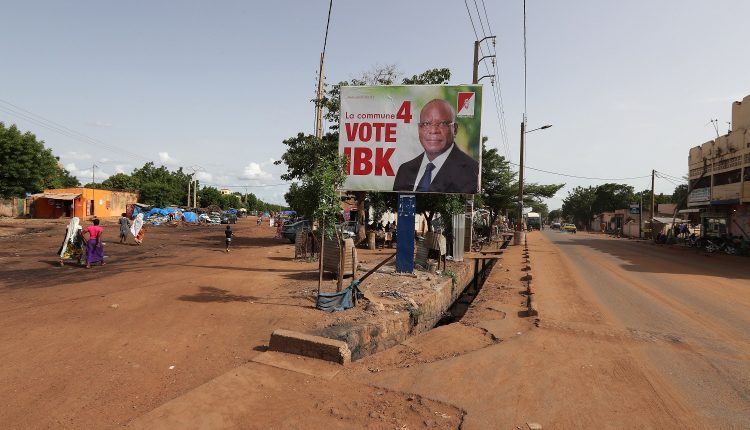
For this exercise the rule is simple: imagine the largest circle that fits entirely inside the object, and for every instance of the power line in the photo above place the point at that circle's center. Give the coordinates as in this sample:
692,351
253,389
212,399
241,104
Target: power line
669,180
497,95
328,22
524,61
580,177
46,123
43,122
246,186
678,178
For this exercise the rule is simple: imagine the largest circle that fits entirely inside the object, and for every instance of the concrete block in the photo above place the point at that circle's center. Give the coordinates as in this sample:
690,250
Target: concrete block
310,346
528,276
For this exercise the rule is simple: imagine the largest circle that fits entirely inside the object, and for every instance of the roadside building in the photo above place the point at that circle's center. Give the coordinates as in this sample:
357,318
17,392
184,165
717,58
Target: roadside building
81,202
719,173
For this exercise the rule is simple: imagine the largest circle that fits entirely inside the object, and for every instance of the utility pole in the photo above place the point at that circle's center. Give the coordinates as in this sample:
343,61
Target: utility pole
640,217
653,202
475,78
319,100
188,199
519,224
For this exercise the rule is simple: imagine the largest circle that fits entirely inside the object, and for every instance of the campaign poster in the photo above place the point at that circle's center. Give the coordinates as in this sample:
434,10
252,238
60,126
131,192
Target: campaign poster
412,138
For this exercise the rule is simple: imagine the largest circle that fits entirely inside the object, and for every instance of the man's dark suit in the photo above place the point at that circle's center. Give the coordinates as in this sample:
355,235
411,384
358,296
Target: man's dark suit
457,175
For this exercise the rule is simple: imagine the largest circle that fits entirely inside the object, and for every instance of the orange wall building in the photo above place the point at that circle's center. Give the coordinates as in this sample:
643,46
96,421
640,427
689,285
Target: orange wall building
81,202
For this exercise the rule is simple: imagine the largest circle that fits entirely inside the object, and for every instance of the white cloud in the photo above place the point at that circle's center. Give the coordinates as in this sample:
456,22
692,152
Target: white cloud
204,176
167,160
77,155
71,167
255,171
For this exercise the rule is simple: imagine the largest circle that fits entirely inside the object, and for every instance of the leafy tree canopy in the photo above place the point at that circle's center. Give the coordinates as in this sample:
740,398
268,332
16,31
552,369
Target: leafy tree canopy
26,166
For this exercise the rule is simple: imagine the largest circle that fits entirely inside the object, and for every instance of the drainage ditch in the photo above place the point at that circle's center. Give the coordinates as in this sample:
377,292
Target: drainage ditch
459,307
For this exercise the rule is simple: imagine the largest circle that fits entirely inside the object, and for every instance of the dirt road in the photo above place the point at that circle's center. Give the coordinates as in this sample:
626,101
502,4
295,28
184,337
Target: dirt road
631,335
172,334
685,313
96,348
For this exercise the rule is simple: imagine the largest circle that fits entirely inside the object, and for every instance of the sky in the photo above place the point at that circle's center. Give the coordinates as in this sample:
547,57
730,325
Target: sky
215,87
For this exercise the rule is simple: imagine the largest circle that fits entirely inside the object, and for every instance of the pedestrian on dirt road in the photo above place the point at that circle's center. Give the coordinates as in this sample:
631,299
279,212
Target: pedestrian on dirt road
137,229
72,245
124,227
94,245
228,233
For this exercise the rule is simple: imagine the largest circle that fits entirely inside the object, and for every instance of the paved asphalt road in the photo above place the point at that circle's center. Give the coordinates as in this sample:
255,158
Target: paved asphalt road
690,310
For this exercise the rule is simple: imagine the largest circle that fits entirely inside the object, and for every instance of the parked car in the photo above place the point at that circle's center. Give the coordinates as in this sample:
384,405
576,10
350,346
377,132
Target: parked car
289,231
214,218
229,218
569,227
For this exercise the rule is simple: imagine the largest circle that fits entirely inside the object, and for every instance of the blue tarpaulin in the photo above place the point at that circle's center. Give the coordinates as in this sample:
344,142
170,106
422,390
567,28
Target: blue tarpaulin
339,301
190,217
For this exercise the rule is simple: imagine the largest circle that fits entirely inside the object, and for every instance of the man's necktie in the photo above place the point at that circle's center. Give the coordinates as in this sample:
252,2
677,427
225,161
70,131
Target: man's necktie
424,183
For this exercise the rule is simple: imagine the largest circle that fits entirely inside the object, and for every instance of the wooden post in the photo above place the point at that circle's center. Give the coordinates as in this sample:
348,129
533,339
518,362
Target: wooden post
354,263
342,257
320,257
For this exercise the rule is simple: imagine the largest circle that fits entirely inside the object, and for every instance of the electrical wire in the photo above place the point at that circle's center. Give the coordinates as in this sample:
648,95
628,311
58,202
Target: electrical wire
48,124
247,186
497,95
678,178
669,180
524,62
580,177
328,22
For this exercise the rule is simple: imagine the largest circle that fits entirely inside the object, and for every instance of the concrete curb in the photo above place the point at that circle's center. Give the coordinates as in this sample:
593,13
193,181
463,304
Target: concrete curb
322,348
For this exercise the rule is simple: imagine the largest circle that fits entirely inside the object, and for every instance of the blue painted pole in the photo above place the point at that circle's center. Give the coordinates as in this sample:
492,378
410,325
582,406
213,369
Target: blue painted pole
407,209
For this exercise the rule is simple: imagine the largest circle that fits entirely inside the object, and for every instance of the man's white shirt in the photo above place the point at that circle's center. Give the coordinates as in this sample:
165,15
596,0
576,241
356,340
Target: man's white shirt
437,162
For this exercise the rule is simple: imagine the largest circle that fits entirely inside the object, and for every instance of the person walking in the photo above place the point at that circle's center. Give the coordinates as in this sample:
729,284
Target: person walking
72,245
228,233
94,245
137,229
124,227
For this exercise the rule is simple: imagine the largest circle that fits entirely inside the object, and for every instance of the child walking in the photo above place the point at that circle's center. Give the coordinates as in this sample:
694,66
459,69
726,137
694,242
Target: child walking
228,233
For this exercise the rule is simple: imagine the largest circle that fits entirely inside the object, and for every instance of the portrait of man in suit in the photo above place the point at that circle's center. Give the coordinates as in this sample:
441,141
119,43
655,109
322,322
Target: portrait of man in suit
443,166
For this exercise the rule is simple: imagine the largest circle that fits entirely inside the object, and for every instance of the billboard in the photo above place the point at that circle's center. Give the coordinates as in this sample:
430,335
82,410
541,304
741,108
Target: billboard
412,138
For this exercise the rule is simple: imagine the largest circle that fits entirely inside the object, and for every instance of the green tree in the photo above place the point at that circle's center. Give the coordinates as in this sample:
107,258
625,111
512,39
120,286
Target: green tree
680,195
498,192
27,166
555,215
578,206
209,196
119,181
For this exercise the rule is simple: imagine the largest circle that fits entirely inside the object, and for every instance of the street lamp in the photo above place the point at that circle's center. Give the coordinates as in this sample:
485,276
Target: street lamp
519,225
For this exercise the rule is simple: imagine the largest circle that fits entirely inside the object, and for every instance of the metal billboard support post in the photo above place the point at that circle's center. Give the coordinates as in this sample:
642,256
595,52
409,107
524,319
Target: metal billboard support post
407,206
